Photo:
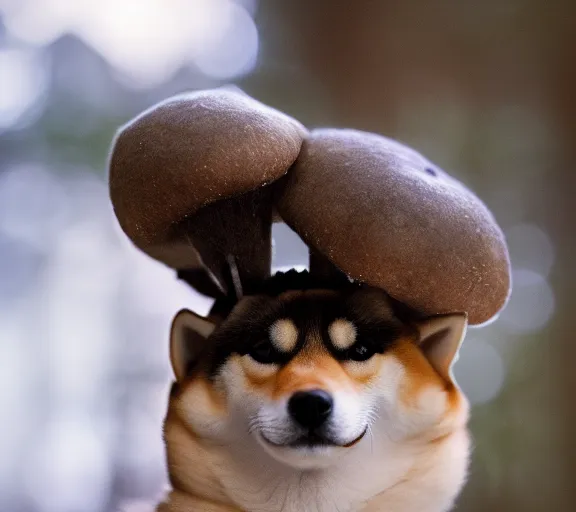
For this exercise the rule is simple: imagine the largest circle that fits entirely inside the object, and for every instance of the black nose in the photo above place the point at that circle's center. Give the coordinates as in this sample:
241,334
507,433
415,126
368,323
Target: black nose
310,408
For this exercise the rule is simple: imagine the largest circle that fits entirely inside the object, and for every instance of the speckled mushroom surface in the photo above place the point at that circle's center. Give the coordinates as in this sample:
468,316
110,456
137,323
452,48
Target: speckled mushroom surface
387,216
196,180
188,152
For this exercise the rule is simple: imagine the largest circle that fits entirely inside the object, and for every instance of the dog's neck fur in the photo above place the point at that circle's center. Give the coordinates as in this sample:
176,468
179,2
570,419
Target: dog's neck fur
238,477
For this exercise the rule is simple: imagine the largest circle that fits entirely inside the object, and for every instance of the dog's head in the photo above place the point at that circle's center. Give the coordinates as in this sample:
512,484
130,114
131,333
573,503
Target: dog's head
311,373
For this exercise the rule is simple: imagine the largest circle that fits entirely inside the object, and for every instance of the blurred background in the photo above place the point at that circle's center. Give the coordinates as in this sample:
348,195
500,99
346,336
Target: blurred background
485,89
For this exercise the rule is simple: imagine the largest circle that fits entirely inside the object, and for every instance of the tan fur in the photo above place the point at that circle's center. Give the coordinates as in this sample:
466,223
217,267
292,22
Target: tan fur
284,335
343,333
316,370
422,376
413,458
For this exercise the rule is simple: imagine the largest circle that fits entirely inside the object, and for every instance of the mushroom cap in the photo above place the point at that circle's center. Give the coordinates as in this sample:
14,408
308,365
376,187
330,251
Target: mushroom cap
385,215
196,181
191,151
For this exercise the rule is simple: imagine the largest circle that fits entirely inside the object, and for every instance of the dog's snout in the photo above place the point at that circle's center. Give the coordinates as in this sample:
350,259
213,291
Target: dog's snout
310,408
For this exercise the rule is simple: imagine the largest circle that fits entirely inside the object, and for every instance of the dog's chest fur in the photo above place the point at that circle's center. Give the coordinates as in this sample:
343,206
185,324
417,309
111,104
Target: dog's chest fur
237,480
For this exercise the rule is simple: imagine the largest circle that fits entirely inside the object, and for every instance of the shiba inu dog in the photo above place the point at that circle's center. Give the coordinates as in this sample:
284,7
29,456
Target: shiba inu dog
315,397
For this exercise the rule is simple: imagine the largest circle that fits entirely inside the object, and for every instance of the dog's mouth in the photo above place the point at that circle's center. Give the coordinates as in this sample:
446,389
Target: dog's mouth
314,440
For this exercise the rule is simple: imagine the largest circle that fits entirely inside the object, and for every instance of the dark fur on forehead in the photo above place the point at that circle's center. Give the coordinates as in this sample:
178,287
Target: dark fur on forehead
294,280
376,316
371,313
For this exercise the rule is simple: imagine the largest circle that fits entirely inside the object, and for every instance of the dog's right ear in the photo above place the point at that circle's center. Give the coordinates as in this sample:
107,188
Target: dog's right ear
187,340
441,337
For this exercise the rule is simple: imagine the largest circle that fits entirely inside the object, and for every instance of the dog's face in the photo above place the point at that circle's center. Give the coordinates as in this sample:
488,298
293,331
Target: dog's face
311,375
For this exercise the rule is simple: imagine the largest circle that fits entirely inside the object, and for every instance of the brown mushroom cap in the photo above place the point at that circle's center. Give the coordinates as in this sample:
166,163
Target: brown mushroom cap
385,215
195,180
188,152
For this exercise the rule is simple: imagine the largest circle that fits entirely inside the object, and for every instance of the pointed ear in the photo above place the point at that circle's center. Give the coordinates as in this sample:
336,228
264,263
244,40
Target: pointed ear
440,339
187,339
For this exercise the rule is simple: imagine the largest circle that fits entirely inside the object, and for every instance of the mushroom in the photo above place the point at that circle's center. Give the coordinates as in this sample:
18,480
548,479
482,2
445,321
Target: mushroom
197,180
386,216
188,184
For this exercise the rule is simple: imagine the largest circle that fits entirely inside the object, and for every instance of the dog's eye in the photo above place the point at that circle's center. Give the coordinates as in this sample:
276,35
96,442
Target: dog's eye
263,352
361,352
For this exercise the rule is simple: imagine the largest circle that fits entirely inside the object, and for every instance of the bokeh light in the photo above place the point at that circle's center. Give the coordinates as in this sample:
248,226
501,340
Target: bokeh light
532,304
69,467
480,371
22,83
530,248
144,39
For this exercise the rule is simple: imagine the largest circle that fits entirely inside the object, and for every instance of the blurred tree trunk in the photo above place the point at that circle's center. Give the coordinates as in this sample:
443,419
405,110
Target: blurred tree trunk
562,216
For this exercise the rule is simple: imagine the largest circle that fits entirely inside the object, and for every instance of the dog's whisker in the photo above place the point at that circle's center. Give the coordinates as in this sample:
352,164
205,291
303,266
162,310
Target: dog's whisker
371,437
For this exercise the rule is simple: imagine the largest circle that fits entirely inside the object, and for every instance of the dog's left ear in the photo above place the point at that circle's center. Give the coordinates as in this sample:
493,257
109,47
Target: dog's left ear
187,340
440,340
